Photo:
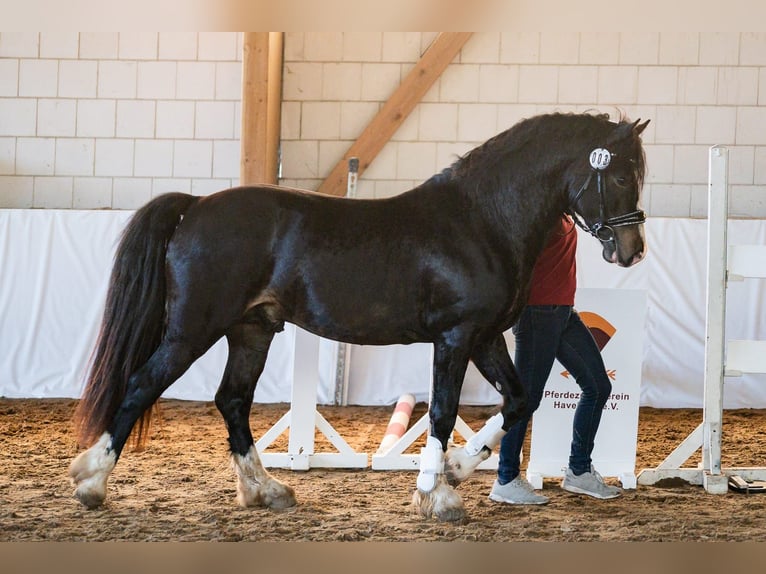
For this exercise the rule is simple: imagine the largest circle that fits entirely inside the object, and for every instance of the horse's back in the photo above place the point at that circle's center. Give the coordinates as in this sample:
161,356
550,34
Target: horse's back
317,261
419,216
307,256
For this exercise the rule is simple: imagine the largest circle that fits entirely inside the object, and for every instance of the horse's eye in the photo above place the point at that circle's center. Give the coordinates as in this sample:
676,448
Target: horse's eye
621,180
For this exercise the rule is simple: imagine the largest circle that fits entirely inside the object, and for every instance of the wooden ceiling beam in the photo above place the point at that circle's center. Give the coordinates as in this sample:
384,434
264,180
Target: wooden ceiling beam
378,132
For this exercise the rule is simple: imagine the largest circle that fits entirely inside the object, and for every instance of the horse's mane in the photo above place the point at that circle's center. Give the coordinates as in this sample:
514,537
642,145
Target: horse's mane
515,178
483,165
549,127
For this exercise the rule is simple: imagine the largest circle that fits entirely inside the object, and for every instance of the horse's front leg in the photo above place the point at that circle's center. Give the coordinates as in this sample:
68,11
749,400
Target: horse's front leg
434,497
495,364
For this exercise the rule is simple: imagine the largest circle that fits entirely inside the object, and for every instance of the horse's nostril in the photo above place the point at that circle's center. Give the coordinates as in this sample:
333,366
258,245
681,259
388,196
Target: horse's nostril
636,258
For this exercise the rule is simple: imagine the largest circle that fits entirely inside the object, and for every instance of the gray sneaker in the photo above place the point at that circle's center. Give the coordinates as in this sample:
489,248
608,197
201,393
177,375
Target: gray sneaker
590,483
518,491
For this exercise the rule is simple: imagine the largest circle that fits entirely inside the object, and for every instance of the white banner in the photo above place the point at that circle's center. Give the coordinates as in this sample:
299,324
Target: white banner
616,318
55,267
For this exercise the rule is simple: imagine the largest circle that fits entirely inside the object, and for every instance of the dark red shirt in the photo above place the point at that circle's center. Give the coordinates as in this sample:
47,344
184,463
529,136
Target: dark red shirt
554,278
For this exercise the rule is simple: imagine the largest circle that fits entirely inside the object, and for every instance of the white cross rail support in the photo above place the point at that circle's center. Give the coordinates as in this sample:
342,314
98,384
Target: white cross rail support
725,263
303,419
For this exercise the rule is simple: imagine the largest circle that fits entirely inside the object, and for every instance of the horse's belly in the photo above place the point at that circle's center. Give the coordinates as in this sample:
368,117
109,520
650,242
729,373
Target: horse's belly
360,329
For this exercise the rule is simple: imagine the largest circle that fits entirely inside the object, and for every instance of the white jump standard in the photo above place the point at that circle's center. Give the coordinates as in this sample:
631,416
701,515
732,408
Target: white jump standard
725,263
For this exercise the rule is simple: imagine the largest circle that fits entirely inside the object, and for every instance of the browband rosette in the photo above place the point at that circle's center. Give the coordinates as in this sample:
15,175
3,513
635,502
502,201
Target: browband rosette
600,158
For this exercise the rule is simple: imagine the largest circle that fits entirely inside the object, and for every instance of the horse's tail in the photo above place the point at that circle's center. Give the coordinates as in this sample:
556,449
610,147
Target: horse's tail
133,320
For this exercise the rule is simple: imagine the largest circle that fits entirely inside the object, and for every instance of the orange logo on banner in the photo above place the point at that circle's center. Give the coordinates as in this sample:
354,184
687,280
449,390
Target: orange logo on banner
602,331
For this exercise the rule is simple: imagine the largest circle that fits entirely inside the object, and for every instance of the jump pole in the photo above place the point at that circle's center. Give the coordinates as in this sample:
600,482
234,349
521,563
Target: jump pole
725,263
394,457
397,426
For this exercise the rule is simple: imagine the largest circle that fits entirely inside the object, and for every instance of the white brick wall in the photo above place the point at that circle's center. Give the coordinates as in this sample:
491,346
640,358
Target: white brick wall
35,156
153,158
78,79
91,193
7,155
95,120
699,89
74,156
56,117
107,120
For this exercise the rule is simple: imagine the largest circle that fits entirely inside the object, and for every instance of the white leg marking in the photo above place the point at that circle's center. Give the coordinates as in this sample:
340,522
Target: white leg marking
90,470
256,487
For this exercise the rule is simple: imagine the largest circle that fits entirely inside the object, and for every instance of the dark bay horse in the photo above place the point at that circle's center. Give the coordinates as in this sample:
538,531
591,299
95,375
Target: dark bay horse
447,263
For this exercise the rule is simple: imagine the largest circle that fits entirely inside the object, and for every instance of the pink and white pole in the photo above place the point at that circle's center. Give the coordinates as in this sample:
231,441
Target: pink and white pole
400,420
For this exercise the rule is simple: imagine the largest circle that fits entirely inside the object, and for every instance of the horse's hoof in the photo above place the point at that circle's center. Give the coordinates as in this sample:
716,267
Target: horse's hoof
272,494
279,497
91,491
90,500
456,515
89,472
442,503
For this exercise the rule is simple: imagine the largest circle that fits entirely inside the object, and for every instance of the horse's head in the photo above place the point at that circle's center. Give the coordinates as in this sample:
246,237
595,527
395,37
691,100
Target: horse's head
607,199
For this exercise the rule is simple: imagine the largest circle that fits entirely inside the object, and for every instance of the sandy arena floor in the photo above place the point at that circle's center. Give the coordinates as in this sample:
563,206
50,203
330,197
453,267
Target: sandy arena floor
180,488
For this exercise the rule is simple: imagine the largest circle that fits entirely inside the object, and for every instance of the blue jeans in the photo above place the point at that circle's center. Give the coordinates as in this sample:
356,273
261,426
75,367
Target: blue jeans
545,333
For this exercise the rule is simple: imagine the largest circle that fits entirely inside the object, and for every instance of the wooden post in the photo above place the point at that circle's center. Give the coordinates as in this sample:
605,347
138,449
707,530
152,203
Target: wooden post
261,107
409,93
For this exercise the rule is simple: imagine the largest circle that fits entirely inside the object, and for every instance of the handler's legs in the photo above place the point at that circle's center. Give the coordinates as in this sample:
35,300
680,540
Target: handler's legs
579,354
537,334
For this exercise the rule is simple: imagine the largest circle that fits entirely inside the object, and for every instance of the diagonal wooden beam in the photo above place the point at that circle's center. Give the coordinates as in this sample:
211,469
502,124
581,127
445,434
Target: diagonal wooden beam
409,93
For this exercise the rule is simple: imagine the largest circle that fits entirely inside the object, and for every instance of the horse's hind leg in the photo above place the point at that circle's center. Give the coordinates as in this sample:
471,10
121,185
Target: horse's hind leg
90,470
495,364
248,348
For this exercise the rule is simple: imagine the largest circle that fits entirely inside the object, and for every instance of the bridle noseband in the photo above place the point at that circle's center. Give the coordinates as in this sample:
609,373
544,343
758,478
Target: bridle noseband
603,228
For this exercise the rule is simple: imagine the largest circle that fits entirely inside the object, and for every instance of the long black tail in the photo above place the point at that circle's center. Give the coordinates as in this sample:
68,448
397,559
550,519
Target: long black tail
131,328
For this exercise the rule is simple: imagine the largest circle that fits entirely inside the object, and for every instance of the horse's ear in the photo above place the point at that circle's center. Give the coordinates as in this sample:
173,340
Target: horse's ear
640,128
625,130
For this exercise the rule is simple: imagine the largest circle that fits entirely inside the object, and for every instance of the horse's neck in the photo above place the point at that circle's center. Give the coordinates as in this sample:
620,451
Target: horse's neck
523,218
516,218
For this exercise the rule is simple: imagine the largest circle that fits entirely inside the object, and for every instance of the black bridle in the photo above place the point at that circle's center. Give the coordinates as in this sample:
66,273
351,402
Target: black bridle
603,228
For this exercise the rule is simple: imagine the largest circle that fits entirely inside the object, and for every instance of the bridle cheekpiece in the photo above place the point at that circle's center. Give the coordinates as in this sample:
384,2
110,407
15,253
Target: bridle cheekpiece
603,229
